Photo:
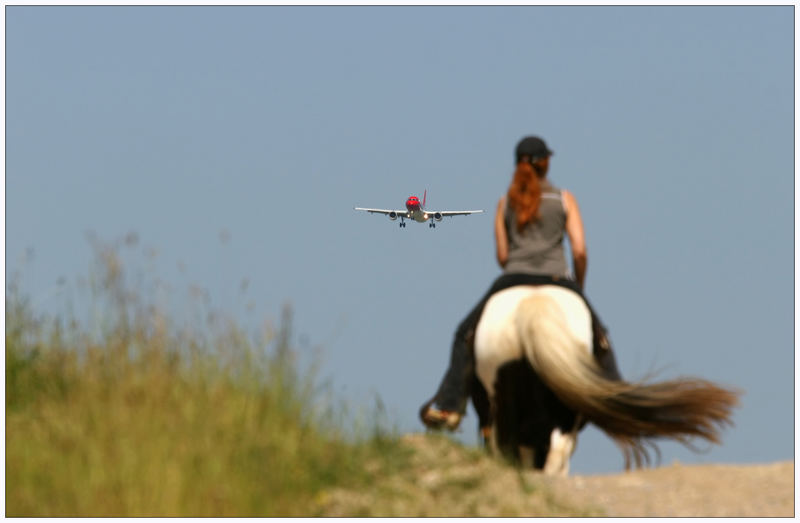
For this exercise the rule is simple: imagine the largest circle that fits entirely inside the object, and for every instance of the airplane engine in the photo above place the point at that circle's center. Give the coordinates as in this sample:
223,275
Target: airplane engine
393,216
437,216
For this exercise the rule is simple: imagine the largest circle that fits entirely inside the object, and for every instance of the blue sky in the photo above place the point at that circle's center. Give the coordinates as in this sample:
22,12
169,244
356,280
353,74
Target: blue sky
235,142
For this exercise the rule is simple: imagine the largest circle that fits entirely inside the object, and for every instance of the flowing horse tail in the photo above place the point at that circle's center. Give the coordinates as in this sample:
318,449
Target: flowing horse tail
630,413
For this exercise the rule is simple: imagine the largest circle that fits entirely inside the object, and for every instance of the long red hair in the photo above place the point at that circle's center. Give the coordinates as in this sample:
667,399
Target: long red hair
525,192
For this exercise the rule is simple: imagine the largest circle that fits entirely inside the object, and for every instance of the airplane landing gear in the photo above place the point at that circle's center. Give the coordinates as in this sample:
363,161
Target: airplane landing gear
432,225
402,224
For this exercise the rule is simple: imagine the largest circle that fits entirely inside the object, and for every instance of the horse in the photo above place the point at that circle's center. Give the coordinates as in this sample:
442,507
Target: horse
534,359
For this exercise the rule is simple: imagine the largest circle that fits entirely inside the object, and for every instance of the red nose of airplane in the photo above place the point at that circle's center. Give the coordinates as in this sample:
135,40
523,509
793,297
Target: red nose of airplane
412,203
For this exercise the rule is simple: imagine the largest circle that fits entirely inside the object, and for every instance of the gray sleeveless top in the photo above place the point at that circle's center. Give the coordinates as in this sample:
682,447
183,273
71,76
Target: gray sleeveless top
539,247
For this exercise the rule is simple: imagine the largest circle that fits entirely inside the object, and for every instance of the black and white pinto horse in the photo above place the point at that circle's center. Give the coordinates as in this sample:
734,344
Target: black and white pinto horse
533,351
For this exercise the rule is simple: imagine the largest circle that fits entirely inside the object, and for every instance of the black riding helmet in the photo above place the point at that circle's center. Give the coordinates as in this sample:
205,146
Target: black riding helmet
533,147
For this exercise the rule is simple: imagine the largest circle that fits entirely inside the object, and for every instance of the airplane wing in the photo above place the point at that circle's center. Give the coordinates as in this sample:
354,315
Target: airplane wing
403,212
454,213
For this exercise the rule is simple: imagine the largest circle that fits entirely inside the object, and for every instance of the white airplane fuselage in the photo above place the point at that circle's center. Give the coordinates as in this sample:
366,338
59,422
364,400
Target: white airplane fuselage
415,210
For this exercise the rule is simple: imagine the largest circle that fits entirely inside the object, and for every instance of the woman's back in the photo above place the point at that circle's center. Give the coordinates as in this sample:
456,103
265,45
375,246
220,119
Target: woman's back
539,247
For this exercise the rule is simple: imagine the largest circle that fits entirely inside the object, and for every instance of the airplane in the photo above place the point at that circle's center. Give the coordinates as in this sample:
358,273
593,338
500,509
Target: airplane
416,211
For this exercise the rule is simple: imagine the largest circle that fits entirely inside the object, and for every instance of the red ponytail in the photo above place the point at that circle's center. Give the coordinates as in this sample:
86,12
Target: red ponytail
525,194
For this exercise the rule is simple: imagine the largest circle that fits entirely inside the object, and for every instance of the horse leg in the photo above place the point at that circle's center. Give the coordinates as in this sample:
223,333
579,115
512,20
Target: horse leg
483,408
527,456
562,445
501,437
486,436
492,443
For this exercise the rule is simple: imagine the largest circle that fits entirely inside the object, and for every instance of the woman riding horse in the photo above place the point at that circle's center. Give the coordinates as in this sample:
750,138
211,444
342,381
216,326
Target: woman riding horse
530,223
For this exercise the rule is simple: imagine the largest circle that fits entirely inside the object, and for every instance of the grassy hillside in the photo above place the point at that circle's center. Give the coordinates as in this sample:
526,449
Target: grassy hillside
134,417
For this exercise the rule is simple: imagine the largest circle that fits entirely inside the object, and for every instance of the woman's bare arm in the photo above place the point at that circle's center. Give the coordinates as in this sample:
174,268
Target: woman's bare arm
500,236
577,239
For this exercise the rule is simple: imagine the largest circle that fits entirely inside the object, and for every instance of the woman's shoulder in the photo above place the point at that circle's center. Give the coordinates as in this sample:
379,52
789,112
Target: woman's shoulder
561,191
570,203
567,194
550,188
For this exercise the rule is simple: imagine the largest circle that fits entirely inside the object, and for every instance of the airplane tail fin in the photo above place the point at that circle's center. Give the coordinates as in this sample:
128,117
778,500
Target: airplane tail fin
424,196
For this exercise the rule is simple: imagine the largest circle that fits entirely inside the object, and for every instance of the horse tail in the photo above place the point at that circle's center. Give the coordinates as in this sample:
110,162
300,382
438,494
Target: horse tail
630,413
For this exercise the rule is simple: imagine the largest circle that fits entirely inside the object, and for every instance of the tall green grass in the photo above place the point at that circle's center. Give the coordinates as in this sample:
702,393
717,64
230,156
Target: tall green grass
140,418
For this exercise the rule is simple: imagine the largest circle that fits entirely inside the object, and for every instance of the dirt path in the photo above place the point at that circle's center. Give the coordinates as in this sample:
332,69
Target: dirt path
687,491
445,479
